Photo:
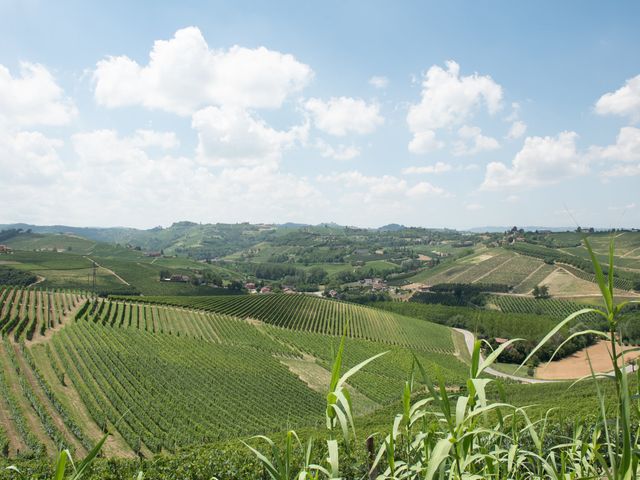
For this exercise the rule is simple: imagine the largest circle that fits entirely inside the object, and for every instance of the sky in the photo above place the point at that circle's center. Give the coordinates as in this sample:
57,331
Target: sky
439,114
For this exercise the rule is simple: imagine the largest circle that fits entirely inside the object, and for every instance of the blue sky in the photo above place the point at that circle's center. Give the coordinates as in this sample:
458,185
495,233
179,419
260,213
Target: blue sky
454,114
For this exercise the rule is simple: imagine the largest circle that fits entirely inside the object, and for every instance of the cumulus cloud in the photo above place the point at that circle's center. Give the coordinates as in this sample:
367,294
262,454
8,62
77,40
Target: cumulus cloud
439,167
425,142
471,141
617,157
33,98
449,99
369,188
341,115
379,81
339,152
111,174
231,136
517,130
473,207
625,101
541,161
28,157
183,74
626,148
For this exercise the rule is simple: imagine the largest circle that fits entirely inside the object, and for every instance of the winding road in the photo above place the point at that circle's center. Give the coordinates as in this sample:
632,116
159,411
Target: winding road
469,340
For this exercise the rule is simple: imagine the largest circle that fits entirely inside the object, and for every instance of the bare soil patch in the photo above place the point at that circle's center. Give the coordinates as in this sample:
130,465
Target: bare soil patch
562,283
480,258
577,365
318,378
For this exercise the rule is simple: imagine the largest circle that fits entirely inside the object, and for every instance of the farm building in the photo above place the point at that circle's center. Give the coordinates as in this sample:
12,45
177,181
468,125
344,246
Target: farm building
5,249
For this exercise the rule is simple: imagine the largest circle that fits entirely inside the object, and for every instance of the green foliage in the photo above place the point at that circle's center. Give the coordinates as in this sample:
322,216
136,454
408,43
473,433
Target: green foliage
329,317
12,276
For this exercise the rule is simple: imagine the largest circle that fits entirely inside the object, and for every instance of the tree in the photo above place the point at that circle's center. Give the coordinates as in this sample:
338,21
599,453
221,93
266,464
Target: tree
541,291
165,274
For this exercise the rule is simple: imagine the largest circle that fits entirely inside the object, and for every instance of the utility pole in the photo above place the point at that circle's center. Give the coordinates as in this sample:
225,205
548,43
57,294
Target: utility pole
94,277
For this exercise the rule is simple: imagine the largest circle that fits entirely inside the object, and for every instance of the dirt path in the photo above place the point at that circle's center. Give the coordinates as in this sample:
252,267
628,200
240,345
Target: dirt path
110,271
39,280
26,371
631,251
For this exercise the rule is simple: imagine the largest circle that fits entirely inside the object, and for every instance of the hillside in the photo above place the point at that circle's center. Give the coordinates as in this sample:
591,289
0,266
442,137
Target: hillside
159,376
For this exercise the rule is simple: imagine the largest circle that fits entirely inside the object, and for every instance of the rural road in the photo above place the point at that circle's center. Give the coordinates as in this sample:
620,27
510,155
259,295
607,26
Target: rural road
469,339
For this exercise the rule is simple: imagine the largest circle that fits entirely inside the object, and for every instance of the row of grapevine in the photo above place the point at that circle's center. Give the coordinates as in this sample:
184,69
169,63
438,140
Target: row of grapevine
34,446
164,391
60,410
328,317
4,443
514,271
36,405
620,283
550,307
208,326
25,313
535,278
477,272
625,280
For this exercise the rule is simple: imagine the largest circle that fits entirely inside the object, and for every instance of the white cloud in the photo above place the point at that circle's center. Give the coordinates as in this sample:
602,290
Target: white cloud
473,207
339,152
439,167
341,115
472,142
379,81
623,171
422,189
625,101
28,157
230,136
372,188
629,206
33,98
126,179
108,148
184,74
449,99
517,129
625,150
425,142
541,161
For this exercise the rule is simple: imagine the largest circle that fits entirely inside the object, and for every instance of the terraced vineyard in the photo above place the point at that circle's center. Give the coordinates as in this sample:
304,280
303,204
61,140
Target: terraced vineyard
161,377
28,313
556,309
328,317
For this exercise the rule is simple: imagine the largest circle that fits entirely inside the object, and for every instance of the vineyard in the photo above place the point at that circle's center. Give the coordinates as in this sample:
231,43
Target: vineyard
328,317
160,377
556,309
29,313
